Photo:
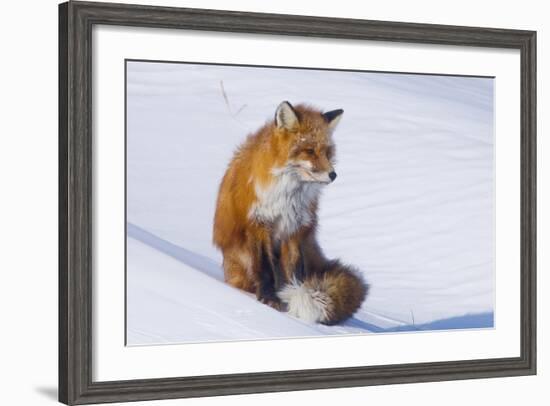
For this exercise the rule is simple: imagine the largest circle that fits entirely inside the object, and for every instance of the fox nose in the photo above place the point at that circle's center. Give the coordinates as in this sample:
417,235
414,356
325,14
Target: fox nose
332,176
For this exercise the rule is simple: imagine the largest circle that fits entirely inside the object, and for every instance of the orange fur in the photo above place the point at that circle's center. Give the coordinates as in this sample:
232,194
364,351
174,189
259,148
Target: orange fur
301,144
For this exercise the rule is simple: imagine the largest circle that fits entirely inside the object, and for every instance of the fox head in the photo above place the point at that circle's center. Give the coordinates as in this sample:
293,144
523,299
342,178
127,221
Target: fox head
303,137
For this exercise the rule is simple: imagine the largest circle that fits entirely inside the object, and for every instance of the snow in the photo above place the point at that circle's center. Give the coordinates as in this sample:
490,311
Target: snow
412,206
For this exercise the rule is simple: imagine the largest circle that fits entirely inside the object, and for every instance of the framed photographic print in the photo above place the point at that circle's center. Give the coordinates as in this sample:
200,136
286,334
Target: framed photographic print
259,202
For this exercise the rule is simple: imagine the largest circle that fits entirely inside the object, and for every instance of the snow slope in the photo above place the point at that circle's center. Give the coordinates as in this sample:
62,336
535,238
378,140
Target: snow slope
412,206
175,295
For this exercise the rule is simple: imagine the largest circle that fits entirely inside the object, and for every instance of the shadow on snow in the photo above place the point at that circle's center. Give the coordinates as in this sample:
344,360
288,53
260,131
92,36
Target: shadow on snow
194,260
467,321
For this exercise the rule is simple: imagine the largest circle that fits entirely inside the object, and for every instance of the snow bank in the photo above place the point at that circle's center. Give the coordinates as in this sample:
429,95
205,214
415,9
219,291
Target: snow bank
412,206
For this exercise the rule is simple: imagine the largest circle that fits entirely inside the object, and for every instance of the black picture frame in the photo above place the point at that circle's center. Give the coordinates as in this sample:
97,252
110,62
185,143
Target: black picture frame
76,20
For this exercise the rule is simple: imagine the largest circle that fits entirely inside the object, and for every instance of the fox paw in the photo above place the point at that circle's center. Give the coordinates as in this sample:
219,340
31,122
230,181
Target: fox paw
274,303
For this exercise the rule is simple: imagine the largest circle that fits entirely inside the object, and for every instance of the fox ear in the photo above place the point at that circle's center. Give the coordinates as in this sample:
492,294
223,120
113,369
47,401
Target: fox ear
285,116
333,117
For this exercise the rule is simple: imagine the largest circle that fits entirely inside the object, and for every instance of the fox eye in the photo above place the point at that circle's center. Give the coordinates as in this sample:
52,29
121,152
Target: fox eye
309,151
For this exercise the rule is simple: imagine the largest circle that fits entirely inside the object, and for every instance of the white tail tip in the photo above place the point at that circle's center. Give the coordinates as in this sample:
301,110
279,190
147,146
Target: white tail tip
305,303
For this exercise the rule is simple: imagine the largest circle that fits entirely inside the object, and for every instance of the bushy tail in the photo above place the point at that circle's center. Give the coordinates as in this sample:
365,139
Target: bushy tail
326,297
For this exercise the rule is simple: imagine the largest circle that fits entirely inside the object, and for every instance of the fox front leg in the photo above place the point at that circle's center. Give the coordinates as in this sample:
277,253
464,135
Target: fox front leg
301,270
271,278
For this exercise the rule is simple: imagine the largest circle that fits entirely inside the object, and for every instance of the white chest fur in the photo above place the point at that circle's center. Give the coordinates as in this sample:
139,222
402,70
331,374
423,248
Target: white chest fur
285,204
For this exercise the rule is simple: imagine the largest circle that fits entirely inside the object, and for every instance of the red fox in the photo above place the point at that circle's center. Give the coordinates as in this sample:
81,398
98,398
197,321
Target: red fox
266,218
